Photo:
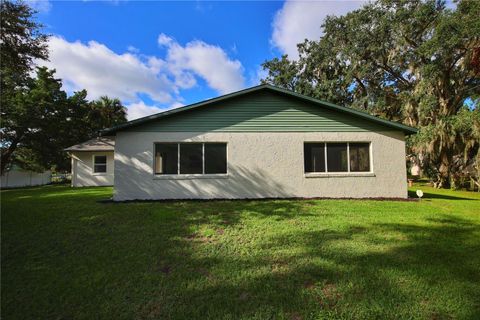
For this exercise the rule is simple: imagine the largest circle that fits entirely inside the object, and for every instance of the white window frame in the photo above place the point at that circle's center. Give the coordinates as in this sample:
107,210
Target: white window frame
94,163
183,176
347,173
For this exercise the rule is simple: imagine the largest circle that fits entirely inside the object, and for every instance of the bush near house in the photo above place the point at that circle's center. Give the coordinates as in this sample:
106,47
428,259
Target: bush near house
65,255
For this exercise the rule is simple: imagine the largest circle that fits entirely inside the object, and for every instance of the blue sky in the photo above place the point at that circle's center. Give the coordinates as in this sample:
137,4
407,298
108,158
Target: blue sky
158,55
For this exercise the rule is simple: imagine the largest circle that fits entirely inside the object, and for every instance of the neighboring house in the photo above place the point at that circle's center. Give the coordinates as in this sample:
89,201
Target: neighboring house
17,177
92,162
262,142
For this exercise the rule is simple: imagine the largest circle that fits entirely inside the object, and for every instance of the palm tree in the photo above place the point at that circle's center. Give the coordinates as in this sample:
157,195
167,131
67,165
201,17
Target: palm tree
108,112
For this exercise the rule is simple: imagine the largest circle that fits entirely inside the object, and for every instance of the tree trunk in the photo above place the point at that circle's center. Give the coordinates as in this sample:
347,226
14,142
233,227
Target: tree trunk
444,175
6,157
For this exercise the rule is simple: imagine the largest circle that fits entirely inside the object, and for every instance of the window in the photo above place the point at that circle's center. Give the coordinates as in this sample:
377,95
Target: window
359,157
337,157
314,157
166,158
99,164
215,158
190,158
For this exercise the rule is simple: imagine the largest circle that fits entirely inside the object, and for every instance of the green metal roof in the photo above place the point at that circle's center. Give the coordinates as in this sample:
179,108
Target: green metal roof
265,87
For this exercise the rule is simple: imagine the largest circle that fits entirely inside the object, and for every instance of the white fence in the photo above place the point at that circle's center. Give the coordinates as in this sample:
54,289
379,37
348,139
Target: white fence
18,178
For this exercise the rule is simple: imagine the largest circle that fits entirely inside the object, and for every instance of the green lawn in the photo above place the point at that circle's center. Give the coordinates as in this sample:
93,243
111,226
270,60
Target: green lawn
67,256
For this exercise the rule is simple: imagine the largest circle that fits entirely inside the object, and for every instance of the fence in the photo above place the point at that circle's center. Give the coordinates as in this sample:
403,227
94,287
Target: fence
20,178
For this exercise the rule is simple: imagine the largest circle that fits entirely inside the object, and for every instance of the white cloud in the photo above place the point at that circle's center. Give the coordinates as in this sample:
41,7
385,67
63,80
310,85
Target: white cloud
131,76
175,105
164,40
209,62
300,20
257,76
93,66
101,71
140,109
133,49
234,49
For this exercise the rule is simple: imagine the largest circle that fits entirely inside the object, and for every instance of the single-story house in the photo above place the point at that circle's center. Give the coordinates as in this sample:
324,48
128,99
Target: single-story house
261,142
92,162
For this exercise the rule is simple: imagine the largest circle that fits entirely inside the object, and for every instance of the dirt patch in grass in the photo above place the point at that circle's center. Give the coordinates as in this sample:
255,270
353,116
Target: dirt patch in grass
244,296
175,201
295,316
280,266
330,296
309,284
164,267
151,310
440,316
198,237
204,272
191,236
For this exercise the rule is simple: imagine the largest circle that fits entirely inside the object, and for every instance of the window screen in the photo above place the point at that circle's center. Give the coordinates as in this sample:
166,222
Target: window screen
100,164
359,157
314,157
337,157
191,158
215,158
166,158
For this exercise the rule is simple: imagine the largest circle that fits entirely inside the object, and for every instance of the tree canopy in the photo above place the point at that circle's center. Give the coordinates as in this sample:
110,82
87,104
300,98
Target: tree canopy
21,42
38,118
406,60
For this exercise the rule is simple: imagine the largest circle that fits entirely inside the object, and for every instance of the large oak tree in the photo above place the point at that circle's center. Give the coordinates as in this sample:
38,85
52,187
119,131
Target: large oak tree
405,60
21,42
38,118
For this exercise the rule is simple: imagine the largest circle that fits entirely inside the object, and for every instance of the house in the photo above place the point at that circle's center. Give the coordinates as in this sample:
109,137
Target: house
92,162
262,142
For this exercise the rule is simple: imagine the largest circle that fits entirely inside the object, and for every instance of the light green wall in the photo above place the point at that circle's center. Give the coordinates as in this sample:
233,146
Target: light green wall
260,112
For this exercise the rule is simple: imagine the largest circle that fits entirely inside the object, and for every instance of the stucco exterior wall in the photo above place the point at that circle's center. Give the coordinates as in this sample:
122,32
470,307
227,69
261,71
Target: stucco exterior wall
260,165
82,169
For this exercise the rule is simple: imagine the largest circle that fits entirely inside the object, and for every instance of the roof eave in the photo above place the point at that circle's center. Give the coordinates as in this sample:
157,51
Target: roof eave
84,150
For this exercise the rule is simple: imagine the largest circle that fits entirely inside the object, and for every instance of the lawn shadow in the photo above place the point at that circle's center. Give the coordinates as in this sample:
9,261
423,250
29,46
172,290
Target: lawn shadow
211,260
334,282
428,195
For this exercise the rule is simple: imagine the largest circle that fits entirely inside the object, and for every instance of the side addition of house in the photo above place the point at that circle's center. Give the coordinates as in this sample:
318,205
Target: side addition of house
92,162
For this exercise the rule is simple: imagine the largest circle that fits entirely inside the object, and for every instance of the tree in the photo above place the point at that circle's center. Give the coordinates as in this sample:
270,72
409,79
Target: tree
38,118
21,43
32,122
410,61
45,121
107,112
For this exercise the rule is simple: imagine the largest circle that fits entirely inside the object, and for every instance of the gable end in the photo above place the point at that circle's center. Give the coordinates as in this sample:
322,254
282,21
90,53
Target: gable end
261,109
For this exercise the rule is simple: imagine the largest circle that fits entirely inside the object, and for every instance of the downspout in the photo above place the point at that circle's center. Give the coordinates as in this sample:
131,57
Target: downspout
73,171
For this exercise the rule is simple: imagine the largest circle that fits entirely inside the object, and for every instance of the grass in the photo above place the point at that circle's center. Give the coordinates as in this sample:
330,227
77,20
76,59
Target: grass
67,256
